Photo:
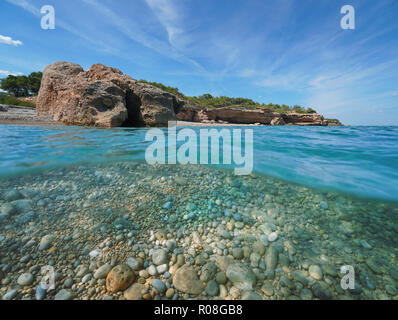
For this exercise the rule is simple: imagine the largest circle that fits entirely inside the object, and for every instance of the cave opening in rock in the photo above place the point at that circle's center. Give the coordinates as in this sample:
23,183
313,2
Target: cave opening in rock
133,103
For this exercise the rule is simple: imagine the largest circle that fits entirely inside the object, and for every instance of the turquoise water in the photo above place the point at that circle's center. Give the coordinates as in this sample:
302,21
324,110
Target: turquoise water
84,200
362,161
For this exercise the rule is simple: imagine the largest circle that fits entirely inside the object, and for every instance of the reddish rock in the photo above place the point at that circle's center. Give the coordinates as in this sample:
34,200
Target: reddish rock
119,278
102,96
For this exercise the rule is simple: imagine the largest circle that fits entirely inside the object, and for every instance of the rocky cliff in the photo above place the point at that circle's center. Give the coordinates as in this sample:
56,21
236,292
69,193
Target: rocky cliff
103,97
196,113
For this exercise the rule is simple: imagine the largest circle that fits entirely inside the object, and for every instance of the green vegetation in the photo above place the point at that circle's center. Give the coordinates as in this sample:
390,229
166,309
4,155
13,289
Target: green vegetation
333,121
12,101
208,101
168,89
22,86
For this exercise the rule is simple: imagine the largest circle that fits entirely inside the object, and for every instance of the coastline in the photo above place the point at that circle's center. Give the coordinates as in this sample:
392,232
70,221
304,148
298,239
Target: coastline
25,116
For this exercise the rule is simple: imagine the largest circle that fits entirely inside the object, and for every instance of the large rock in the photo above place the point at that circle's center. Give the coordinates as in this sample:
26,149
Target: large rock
119,278
197,113
102,96
241,276
134,292
305,119
233,115
186,280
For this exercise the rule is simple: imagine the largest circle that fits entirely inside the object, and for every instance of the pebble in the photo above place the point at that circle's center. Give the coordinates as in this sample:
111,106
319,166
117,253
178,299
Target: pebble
46,242
102,271
63,294
315,272
25,279
159,285
272,236
159,257
10,295
152,270
212,288
391,290
40,292
169,293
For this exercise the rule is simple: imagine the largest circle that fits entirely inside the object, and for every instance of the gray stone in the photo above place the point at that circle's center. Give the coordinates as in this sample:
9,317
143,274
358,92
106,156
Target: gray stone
237,253
102,271
271,258
63,294
315,272
46,242
40,292
208,271
186,280
159,257
162,268
152,270
133,263
10,295
250,295
12,195
212,288
25,279
159,285
221,278
321,291
241,276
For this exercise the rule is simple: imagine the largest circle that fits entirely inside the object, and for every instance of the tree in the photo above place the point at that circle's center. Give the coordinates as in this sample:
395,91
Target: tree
34,81
22,86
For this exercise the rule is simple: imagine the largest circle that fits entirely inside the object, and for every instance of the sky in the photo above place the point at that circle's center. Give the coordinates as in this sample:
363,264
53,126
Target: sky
285,51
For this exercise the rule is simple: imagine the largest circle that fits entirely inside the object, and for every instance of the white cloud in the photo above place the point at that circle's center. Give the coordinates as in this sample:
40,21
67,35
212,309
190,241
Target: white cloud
10,41
8,73
395,94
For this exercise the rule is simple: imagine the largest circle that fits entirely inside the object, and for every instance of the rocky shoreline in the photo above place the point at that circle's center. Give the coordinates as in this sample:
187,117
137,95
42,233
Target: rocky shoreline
105,97
17,115
133,231
193,113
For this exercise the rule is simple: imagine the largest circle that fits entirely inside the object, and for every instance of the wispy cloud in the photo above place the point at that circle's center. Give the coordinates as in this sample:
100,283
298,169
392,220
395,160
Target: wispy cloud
10,41
26,5
8,73
134,31
168,14
100,45
395,94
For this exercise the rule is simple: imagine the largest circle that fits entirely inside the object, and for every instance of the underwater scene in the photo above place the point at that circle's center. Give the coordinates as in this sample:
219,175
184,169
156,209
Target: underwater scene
84,216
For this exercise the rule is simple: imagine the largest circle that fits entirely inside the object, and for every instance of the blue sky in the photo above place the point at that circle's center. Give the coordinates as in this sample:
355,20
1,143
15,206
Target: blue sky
284,51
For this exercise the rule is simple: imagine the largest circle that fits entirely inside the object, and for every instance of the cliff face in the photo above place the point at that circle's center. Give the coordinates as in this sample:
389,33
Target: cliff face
102,96
260,116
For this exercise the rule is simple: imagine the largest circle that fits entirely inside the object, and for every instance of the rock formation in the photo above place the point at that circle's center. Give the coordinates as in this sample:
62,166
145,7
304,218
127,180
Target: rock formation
259,116
103,97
